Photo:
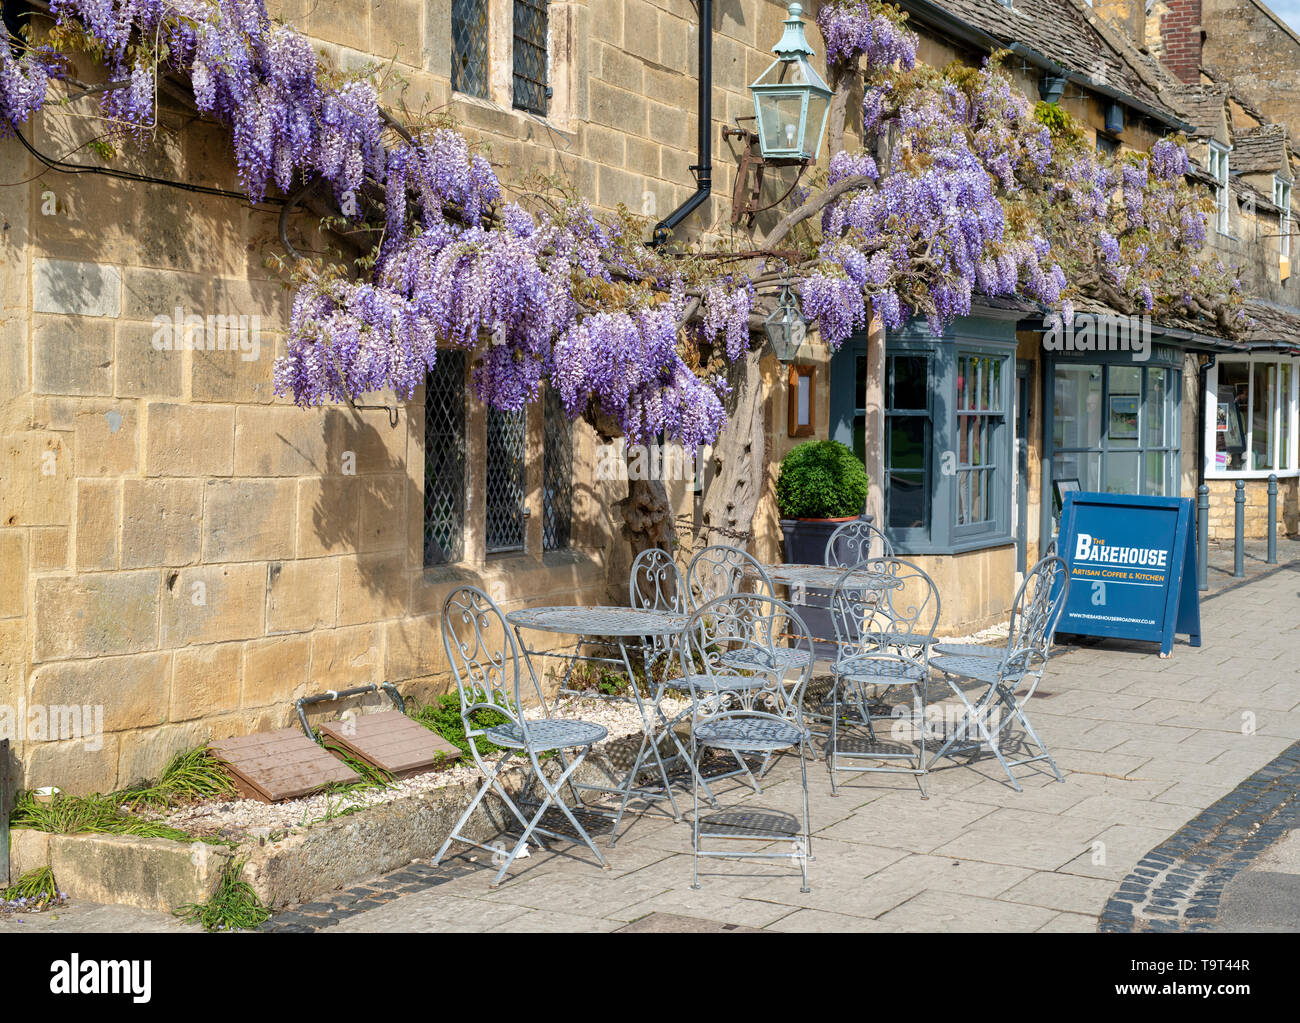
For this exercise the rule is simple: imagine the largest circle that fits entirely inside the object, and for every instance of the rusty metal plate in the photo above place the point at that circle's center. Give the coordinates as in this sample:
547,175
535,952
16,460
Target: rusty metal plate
390,741
279,765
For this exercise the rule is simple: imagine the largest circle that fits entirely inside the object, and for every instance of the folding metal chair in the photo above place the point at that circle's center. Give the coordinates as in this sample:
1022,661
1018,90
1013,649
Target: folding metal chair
749,710
852,542
720,569
656,583
488,676
885,611
1009,681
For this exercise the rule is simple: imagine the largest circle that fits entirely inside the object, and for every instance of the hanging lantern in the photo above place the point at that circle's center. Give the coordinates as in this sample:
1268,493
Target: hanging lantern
786,327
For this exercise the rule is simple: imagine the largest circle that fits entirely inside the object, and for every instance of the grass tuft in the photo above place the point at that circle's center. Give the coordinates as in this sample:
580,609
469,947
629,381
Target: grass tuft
34,890
80,815
191,776
234,906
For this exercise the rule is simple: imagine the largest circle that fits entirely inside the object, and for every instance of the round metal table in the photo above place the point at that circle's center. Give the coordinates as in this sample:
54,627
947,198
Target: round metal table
625,627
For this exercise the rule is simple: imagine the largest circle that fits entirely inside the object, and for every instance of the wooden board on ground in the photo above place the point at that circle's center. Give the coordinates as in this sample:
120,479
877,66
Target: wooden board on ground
390,741
279,765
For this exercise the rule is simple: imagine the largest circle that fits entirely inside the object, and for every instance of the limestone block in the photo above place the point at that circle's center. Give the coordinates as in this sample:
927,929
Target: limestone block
276,670
188,440
76,288
75,769
35,479
248,520
212,603
161,522
13,572
105,440
328,516
143,370
159,293
98,525
302,595
341,658
373,587
131,690
49,547
72,355
205,681
97,614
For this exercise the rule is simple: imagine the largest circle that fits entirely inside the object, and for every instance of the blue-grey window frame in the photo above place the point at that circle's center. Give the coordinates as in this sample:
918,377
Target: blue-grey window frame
971,335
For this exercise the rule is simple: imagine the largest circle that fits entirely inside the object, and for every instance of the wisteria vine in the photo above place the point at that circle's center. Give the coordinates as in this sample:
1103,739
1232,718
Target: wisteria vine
959,187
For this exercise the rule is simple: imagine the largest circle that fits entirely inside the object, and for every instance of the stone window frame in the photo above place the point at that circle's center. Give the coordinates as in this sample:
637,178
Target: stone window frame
563,78
474,549
1285,405
1282,200
1217,164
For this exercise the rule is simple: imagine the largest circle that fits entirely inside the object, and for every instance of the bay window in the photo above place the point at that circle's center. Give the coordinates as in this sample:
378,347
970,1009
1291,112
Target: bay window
1218,168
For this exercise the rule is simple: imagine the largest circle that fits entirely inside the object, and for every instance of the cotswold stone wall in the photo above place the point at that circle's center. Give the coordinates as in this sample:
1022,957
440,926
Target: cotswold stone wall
1223,508
191,553
1249,47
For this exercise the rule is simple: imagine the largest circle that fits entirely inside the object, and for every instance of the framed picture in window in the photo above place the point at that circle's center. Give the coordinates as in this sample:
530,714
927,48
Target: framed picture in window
1062,487
802,401
1124,416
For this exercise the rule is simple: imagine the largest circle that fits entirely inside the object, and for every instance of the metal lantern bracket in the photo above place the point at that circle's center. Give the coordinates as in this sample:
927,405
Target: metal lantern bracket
748,191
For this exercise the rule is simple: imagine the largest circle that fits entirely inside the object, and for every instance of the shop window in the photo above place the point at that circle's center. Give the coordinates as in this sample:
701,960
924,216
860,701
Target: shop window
469,47
981,422
1115,427
1253,406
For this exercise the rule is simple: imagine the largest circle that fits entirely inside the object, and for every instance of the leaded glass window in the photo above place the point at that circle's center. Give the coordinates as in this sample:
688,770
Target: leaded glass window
506,436
444,460
530,89
557,474
469,47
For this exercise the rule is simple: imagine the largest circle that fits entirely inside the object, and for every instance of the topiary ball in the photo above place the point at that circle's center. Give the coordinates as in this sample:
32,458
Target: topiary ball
821,479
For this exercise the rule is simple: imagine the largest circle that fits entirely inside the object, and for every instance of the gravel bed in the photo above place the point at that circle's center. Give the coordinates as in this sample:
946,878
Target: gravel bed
252,819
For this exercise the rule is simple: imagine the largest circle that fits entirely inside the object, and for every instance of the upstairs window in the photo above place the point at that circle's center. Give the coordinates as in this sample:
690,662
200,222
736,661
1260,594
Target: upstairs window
469,47
1218,168
531,90
1282,199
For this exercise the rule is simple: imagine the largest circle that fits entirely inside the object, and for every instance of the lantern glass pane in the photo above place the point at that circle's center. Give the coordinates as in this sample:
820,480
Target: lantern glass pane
816,124
779,120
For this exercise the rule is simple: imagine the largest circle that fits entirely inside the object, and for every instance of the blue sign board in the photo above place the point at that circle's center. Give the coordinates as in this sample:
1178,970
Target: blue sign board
1132,564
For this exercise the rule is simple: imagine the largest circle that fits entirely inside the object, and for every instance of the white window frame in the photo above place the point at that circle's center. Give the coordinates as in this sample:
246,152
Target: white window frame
1287,405
1217,165
1282,200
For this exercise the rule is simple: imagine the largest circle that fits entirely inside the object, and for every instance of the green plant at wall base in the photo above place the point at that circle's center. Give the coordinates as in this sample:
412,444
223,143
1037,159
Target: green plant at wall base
821,479
36,888
233,906
191,776
80,815
442,717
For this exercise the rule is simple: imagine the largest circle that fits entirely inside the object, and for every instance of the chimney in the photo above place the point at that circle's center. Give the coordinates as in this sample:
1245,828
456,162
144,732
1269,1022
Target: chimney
1129,16
1180,37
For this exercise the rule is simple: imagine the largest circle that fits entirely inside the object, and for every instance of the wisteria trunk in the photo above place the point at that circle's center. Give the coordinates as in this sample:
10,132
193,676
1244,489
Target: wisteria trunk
731,500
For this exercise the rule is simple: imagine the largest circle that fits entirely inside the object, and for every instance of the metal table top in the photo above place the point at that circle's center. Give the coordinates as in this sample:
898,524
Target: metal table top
598,621
824,577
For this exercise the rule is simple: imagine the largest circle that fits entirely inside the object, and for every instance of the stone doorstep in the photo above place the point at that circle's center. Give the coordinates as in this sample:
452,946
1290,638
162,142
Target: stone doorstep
157,873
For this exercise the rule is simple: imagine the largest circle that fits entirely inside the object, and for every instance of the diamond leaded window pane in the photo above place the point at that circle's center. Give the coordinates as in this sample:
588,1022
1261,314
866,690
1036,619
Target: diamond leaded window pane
530,55
444,460
469,47
506,433
557,474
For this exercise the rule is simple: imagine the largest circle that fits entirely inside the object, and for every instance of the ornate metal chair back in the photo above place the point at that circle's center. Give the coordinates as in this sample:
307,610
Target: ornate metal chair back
884,603
656,583
855,542
1034,616
719,570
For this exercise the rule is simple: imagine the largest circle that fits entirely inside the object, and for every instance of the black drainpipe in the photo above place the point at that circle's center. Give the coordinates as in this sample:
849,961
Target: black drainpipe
704,169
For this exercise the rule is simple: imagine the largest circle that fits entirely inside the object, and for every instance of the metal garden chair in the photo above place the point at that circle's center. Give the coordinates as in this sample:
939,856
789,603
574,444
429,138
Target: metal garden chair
747,710
852,543
484,657
885,611
1009,681
656,583
719,570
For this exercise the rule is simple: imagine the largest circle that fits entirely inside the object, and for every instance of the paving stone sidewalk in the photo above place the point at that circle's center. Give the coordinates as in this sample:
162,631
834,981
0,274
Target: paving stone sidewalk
1146,744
